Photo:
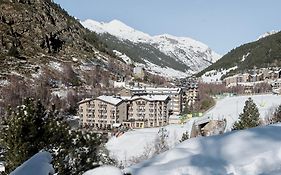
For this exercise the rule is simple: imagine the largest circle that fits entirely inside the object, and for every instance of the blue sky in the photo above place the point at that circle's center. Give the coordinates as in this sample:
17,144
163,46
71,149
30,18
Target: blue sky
221,24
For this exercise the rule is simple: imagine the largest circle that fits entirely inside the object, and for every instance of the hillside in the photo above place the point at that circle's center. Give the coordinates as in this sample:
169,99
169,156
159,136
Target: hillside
35,32
264,52
47,54
181,54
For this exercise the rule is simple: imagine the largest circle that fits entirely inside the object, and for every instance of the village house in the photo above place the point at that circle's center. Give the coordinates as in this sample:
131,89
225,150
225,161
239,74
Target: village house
255,76
236,79
276,86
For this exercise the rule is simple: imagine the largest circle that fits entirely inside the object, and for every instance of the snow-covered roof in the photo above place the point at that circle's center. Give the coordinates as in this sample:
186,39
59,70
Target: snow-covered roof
110,99
85,100
162,90
151,97
126,97
116,125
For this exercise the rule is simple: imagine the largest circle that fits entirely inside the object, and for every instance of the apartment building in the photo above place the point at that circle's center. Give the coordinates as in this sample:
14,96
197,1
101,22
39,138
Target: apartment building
148,111
102,112
105,112
175,95
256,75
191,94
239,78
190,90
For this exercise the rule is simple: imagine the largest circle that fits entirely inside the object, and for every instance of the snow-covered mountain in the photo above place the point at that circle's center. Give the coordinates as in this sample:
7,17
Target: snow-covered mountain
268,34
184,55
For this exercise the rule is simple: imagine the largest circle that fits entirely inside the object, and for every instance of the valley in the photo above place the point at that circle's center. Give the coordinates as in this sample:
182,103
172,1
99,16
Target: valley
137,95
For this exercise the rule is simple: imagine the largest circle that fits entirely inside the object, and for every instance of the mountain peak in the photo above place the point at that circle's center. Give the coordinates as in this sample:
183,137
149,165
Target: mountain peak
180,53
118,29
119,24
272,32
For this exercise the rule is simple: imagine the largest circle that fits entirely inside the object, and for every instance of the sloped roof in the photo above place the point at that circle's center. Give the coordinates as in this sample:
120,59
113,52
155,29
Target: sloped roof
151,97
85,100
110,99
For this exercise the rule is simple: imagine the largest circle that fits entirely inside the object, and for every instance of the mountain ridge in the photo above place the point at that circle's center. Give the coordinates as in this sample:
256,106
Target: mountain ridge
179,53
264,52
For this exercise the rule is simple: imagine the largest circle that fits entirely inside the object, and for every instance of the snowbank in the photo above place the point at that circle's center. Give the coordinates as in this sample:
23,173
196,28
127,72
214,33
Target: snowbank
105,170
251,152
38,164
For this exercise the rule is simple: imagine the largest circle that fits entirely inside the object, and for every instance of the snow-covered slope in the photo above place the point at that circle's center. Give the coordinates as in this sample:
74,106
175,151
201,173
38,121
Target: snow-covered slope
191,52
117,28
229,108
133,144
215,76
254,151
194,55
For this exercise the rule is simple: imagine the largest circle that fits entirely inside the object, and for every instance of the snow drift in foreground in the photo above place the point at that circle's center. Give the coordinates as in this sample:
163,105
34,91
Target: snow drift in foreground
251,152
105,170
39,164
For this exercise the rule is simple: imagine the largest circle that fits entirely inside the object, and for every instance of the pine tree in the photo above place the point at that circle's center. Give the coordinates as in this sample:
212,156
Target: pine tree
161,144
21,137
185,136
31,128
249,118
277,115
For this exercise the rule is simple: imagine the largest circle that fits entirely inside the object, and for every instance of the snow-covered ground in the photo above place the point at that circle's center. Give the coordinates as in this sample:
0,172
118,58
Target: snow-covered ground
124,57
214,76
39,164
254,151
56,66
230,107
165,71
105,170
134,143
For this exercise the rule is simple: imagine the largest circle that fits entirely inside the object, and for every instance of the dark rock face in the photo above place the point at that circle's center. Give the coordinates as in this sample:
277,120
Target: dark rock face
32,28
